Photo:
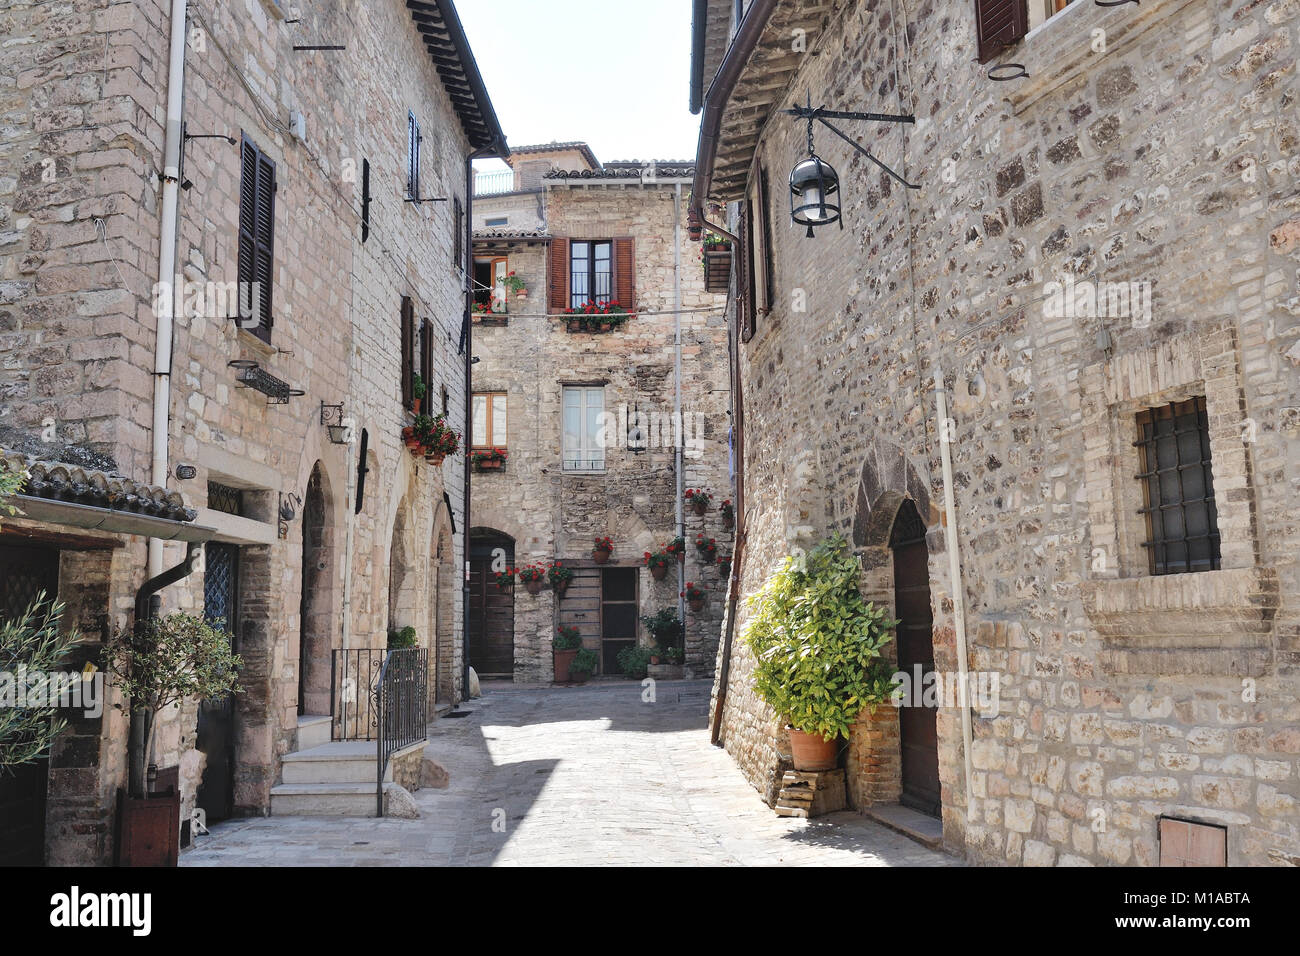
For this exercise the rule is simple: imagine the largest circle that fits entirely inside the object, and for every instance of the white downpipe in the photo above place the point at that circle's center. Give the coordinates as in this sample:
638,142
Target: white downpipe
954,576
677,391
162,356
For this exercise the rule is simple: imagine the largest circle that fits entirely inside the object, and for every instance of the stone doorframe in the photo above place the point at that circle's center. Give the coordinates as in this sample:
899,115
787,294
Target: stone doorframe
874,767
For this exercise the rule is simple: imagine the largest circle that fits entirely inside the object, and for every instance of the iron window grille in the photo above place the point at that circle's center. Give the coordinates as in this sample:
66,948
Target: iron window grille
1178,488
591,273
224,498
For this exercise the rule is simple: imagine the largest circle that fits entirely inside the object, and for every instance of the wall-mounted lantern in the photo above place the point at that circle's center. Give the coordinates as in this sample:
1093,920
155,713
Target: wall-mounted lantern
340,429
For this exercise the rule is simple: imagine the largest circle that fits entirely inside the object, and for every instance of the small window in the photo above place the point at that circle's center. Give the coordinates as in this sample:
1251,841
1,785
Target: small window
497,221
489,420
584,444
1178,490
1040,11
413,138
591,273
225,498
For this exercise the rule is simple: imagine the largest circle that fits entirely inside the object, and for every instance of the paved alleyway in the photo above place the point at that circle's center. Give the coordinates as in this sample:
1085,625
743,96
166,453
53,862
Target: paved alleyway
584,776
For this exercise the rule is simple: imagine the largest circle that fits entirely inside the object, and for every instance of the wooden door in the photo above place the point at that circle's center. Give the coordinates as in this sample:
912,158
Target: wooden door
215,736
618,615
24,572
918,732
581,606
491,612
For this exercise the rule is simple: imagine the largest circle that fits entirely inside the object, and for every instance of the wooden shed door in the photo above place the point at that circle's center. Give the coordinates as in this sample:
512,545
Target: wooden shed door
918,732
24,571
491,613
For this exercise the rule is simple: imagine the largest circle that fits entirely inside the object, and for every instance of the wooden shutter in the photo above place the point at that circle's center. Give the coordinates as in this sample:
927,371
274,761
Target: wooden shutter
257,234
458,243
426,359
999,24
557,279
745,283
408,351
625,273
769,282
365,200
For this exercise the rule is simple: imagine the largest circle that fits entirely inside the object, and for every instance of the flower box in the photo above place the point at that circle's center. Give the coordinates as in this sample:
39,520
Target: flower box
717,267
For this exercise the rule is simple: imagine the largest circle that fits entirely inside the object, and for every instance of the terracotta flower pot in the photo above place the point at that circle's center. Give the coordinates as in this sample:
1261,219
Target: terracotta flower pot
434,457
681,557
811,752
574,325
658,571
562,661
521,294
415,405
534,587
728,522
654,658
699,505
599,556
491,464
561,587
697,605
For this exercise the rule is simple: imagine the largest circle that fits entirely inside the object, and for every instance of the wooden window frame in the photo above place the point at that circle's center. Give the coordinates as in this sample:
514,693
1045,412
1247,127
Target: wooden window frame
591,245
489,419
585,465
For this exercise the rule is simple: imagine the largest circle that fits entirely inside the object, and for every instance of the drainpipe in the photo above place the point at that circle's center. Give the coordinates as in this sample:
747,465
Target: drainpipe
954,575
349,533
162,359
146,609
677,396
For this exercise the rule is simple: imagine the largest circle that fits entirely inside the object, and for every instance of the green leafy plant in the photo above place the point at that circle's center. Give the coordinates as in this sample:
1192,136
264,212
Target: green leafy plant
406,637
558,573
36,642
674,655
633,661
480,455
664,627
418,388
676,546
513,283
506,578
166,660
698,498
435,436
727,510
584,664
11,482
659,559
817,642
708,548
692,593
603,544
532,572
567,638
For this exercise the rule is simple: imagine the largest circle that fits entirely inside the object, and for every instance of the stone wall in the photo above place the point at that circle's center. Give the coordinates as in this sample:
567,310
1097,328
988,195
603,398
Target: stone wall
551,514
1169,159
79,207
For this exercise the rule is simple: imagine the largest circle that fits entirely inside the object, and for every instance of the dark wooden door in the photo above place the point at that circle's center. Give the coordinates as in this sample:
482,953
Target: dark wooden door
618,615
216,727
918,732
24,572
491,612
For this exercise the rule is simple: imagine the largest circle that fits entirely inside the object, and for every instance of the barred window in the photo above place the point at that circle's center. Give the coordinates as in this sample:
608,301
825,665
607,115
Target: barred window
1178,490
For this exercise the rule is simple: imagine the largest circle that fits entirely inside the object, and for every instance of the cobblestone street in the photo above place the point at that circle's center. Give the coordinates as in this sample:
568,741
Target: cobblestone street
578,776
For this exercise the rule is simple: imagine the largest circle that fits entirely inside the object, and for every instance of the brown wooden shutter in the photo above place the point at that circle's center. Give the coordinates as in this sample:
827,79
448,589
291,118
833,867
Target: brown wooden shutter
769,283
408,351
557,279
999,24
426,359
625,273
458,250
256,236
745,279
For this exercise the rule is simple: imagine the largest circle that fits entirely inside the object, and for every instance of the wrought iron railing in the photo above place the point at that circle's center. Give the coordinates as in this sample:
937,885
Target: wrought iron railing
401,697
354,678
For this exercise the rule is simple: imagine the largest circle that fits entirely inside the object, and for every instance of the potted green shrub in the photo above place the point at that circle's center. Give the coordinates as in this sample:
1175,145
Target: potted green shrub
664,628
399,640
634,660
708,549
816,643
418,391
559,576
564,649
678,547
583,666
724,565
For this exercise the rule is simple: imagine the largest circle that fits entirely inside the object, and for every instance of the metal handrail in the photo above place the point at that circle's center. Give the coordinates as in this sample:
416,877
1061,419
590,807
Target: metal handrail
401,698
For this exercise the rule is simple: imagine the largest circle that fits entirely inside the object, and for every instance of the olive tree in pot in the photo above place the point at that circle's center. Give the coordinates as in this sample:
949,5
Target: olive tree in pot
816,644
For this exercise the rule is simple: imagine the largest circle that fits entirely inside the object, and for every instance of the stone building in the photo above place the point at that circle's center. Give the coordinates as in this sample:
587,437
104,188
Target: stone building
1087,316
590,420
321,261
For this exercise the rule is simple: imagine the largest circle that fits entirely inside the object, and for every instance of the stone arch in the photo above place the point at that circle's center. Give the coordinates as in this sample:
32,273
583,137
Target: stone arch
444,593
317,602
403,577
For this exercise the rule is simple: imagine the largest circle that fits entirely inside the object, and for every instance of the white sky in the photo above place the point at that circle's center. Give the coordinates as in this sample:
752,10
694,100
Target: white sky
613,73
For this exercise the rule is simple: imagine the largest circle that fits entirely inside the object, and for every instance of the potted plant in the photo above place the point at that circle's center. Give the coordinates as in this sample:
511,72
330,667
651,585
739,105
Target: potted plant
418,391
565,648
664,627
36,642
817,650
559,576
724,565
602,549
533,576
694,597
157,664
595,317
506,579
515,286
632,661
583,665
400,640
437,438
698,499
674,656
728,512
488,459
658,564
716,260
410,439
707,547
678,547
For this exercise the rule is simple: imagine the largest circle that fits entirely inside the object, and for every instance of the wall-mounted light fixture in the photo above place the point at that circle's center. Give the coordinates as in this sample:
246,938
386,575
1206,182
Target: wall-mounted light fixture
813,182
185,472
340,428
289,505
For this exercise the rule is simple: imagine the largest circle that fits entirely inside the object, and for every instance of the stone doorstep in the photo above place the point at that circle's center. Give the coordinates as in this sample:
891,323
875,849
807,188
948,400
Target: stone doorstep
928,831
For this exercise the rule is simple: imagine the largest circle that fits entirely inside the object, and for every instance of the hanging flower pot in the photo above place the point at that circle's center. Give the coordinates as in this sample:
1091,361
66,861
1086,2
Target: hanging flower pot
574,325
658,564
694,597
408,437
521,294
698,499
728,512
434,458
506,579
602,549
724,567
533,576
559,576
534,587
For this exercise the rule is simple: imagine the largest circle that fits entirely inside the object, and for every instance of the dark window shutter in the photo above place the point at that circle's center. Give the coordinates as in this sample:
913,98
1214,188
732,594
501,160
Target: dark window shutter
748,307
769,281
363,450
256,237
557,279
625,273
408,351
999,24
458,243
365,200
426,359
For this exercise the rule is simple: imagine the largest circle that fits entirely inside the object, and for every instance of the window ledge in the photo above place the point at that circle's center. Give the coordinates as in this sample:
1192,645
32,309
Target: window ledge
1058,52
1212,622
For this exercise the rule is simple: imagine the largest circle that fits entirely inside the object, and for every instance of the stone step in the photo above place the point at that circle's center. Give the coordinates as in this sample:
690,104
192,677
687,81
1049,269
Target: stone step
323,800
313,731
336,762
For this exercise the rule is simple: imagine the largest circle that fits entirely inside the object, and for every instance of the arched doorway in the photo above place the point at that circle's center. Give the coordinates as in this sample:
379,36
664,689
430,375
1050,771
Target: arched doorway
491,610
446,590
917,725
402,579
316,602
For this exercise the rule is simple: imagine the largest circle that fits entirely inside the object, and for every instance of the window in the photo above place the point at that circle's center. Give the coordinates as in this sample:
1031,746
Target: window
1181,519
591,273
489,420
256,240
225,498
999,24
584,446
413,138
487,273
408,352
497,221
1040,11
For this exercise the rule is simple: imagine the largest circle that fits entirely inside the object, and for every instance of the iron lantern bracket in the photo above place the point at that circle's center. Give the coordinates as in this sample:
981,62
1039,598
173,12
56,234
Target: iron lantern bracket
820,113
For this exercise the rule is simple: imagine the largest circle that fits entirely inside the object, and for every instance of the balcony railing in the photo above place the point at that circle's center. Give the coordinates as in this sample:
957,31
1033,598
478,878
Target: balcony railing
494,183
